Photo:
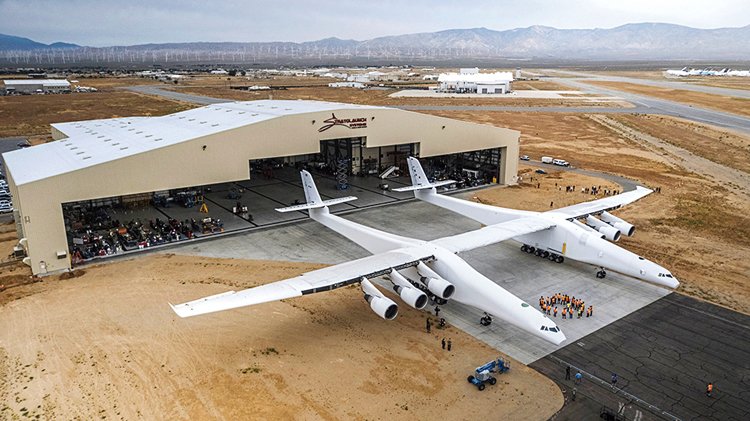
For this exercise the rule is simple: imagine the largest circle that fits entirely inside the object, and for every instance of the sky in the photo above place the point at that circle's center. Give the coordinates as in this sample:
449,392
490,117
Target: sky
127,22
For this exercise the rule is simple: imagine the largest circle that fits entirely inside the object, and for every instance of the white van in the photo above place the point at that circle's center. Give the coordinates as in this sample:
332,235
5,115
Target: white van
561,162
546,159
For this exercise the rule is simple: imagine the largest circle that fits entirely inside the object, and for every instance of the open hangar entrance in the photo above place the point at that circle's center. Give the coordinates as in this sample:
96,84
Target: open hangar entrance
145,181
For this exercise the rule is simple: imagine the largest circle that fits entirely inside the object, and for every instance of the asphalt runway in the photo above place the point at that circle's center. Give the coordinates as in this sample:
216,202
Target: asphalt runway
669,84
664,355
650,105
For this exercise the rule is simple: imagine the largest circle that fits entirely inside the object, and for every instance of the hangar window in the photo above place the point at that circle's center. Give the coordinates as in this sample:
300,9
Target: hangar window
123,148
116,143
80,153
100,136
215,124
157,139
108,140
149,135
74,148
86,157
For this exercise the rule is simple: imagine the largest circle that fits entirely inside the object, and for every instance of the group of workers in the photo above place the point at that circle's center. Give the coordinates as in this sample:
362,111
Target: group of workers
568,304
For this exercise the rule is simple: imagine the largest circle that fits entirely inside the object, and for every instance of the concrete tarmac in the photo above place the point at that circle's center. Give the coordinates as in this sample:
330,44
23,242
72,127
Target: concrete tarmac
664,356
525,275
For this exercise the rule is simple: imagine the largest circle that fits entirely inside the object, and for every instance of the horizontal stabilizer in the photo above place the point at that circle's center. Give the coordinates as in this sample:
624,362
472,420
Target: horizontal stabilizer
425,186
316,205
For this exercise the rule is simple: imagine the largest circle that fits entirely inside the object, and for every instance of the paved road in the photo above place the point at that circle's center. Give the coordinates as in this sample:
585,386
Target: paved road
177,96
649,105
669,84
626,183
664,355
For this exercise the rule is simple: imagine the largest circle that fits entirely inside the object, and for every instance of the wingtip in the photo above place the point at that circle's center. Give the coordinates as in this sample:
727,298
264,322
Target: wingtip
176,310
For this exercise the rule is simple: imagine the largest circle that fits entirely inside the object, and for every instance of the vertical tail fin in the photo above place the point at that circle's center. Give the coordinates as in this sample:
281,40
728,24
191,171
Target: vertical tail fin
419,180
312,197
311,191
418,177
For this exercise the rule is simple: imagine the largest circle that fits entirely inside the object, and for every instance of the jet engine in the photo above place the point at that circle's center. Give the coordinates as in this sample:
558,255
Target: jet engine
408,293
610,232
381,305
624,226
588,228
435,283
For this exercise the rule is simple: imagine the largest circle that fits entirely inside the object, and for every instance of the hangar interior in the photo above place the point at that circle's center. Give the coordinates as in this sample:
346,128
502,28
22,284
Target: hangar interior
217,193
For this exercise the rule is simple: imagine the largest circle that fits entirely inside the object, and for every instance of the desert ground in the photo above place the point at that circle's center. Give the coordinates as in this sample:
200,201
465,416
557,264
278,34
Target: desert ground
104,344
29,115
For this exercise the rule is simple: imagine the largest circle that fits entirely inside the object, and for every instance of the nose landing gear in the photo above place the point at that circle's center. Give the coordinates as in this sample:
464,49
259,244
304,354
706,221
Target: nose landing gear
601,273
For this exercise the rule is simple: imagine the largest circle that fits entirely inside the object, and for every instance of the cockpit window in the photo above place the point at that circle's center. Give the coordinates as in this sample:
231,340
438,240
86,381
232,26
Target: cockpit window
669,275
553,329
641,258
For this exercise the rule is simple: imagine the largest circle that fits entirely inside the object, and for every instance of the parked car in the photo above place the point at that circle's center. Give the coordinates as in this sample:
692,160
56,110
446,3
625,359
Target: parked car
561,162
540,171
525,158
23,144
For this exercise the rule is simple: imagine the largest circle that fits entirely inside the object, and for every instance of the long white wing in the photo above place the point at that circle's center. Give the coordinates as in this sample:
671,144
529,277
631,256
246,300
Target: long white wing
493,234
319,280
604,204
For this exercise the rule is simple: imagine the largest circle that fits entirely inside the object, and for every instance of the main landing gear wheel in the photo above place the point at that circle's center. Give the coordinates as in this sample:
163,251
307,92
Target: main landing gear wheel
524,248
601,274
559,259
440,301
486,320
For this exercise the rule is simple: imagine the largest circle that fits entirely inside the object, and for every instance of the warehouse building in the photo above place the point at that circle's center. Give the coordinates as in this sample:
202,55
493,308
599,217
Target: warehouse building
471,81
31,86
70,193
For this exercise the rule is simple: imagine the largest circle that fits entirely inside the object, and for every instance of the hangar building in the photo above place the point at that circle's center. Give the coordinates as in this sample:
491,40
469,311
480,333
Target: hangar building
107,163
30,86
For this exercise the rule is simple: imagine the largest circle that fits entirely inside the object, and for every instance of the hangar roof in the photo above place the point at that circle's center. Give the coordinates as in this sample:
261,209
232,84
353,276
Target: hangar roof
44,82
95,142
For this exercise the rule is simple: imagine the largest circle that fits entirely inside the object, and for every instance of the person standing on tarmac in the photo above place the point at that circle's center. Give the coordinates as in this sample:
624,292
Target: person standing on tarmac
709,389
428,325
567,373
443,343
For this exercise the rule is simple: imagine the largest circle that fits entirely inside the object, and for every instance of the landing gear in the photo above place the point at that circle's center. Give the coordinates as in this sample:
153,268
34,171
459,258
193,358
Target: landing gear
440,301
553,257
601,273
486,320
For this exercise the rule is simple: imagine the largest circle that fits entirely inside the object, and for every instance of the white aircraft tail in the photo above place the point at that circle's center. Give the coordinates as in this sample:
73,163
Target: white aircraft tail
313,197
419,179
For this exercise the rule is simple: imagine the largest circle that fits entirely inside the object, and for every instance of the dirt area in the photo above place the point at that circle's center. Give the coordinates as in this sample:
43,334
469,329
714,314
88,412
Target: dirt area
721,146
105,345
26,115
541,85
697,228
728,104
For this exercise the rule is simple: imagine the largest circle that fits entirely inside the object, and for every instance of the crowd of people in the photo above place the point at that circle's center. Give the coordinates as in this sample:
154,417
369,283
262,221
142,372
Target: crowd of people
565,304
593,190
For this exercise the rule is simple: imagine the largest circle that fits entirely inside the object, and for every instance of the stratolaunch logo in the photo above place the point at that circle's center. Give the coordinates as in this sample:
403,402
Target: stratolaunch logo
349,123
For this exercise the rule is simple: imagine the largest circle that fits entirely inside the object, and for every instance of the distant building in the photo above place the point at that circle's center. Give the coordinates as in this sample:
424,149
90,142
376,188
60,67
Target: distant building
219,72
475,82
30,86
346,85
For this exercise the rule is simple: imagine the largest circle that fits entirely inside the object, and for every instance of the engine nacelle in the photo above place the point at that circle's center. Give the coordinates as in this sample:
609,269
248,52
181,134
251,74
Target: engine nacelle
382,306
624,226
410,295
611,233
435,283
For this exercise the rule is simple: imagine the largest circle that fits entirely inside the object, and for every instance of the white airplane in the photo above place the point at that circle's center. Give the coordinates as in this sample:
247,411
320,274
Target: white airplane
417,269
566,237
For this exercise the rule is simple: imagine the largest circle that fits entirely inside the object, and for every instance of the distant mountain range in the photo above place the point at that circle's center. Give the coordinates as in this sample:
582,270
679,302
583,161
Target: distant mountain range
641,41
10,42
